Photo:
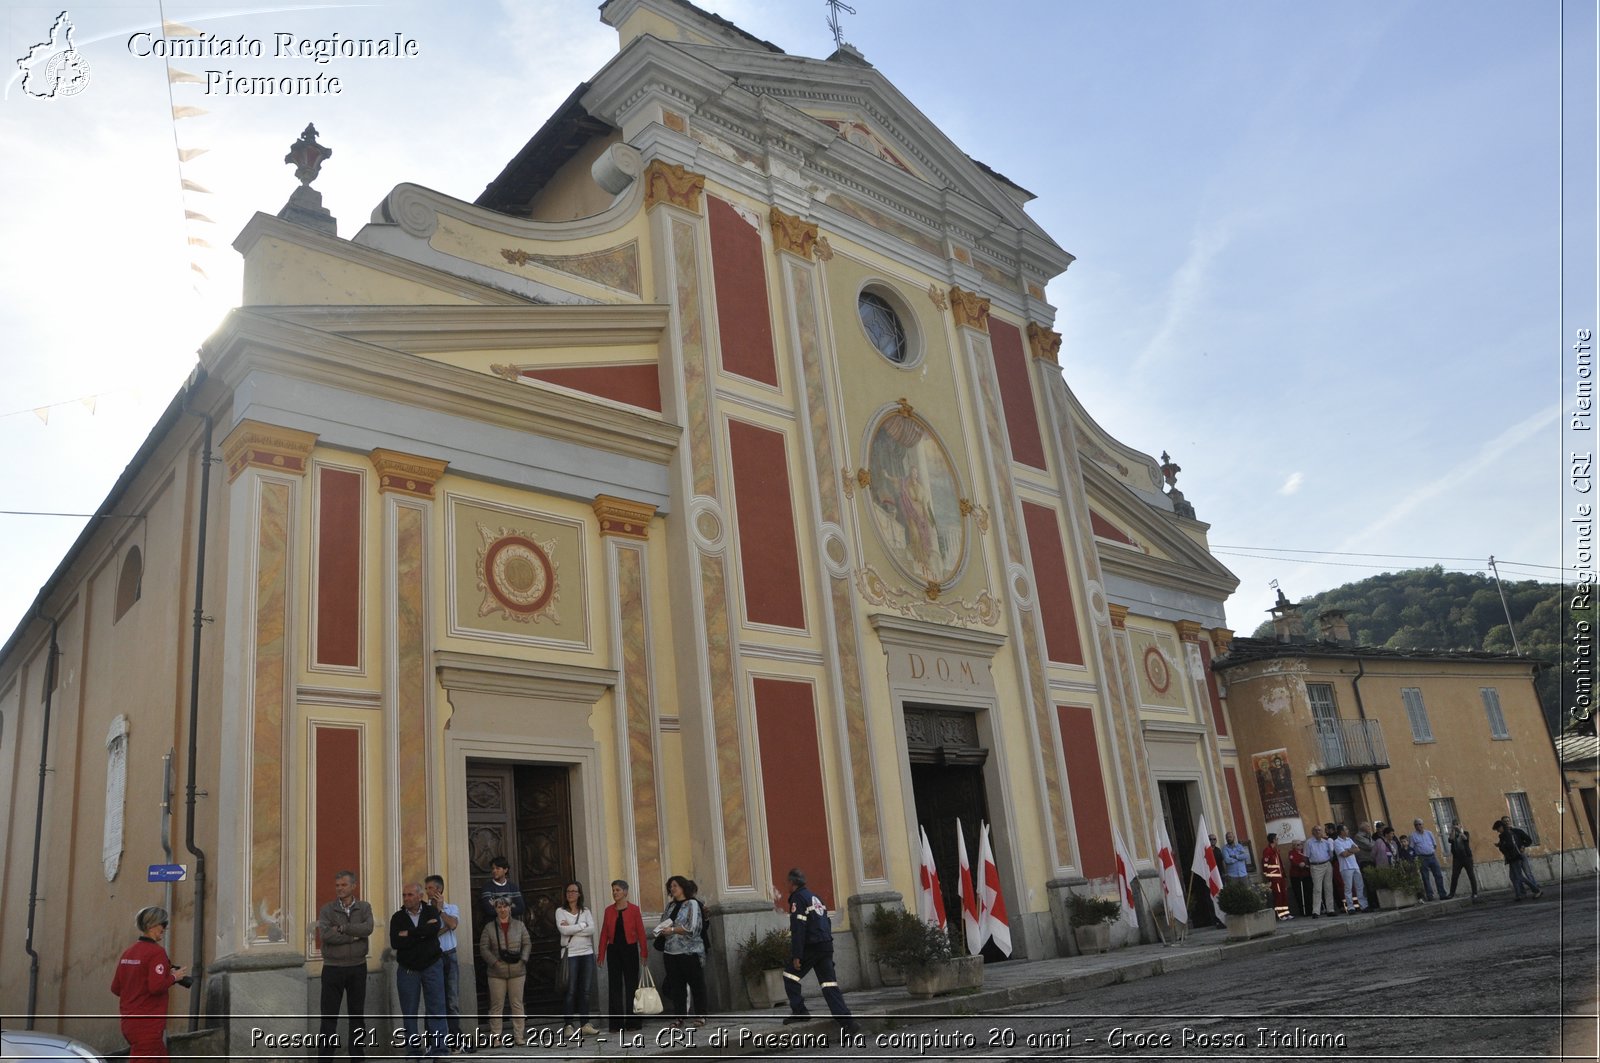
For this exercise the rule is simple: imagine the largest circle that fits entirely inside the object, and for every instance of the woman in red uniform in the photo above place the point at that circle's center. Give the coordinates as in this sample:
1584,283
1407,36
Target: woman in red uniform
144,974
1272,871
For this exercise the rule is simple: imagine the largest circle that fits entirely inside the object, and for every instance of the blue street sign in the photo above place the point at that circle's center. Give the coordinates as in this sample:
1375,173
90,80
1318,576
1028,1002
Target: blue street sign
168,872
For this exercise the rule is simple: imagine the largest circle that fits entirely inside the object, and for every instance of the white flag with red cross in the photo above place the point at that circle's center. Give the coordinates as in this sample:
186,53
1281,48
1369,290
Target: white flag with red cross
996,926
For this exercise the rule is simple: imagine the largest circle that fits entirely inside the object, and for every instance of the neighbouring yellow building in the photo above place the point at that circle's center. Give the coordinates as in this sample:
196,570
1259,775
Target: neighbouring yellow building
705,498
1334,732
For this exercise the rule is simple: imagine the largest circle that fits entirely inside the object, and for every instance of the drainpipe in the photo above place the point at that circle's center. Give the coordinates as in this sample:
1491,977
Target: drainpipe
166,823
1361,711
51,658
190,792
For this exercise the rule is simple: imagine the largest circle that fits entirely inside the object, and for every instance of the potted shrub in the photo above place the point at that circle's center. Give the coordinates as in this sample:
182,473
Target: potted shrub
1397,886
762,958
1091,921
1249,910
922,953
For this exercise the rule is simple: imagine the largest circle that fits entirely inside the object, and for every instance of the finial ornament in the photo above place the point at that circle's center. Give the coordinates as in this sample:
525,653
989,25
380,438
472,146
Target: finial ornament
834,7
307,155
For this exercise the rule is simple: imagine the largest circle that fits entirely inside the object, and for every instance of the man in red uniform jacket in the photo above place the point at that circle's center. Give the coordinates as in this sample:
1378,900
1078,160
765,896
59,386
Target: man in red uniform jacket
144,974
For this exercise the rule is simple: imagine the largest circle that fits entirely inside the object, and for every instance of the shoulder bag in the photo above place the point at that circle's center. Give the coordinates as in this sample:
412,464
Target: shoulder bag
646,1001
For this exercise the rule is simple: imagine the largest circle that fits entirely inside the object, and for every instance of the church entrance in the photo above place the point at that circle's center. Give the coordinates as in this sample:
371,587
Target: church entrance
522,812
947,786
1177,809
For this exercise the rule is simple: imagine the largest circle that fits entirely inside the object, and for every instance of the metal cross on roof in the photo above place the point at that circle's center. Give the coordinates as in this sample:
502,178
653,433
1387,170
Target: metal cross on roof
834,7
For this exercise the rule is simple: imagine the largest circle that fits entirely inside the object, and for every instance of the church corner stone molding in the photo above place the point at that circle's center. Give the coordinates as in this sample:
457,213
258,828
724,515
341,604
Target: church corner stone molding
1188,630
1119,615
623,518
794,235
1045,343
252,444
406,474
667,182
969,309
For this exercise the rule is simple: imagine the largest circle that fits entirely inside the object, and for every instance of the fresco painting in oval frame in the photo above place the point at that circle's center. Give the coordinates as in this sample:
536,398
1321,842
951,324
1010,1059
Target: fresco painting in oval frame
915,499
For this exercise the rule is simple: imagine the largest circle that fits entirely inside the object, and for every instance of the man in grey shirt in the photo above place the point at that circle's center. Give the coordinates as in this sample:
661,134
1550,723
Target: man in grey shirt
1426,846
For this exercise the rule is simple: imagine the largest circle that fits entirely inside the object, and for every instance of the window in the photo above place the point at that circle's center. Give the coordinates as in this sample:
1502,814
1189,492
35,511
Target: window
1444,814
1521,814
1325,719
1417,713
129,582
1491,706
884,326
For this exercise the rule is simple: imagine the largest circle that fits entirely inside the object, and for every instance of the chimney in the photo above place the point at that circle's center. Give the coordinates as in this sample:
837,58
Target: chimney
1333,626
1286,625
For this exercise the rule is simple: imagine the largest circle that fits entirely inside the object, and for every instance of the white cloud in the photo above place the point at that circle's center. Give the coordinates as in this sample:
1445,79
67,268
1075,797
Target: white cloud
1292,484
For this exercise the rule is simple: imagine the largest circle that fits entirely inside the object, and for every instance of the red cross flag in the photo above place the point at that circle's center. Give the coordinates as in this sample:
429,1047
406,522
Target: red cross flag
996,927
1130,914
1171,881
969,897
1205,865
930,900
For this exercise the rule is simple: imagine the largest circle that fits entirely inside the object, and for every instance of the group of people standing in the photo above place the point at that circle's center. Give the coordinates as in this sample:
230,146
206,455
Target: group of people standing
1324,872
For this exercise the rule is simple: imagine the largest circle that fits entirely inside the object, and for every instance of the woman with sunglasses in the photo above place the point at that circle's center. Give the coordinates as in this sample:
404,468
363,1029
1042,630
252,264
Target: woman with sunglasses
144,974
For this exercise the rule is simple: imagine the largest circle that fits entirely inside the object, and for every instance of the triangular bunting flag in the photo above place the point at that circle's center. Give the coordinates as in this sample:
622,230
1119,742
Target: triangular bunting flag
969,897
1171,881
1205,865
186,154
930,899
188,112
1125,874
996,926
177,29
192,186
182,77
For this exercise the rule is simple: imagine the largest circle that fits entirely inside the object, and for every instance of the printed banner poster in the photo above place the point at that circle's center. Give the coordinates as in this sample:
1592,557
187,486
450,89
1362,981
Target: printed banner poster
1276,783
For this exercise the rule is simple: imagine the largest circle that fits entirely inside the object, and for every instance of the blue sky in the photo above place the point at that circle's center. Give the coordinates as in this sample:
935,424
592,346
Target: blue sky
1318,245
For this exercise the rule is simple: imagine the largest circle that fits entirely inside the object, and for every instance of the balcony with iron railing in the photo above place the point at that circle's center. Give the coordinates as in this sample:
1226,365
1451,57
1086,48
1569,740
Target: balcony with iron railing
1348,745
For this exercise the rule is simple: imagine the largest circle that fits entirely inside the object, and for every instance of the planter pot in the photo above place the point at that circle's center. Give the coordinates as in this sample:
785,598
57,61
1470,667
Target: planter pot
766,989
1396,898
962,972
889,975
1096,938
1252,925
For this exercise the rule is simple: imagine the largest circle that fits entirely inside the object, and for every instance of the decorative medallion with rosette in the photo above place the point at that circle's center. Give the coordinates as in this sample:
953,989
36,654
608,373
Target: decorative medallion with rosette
1155,670
517,576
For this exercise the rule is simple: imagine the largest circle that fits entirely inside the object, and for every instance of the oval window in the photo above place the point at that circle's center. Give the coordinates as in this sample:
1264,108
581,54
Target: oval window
883,327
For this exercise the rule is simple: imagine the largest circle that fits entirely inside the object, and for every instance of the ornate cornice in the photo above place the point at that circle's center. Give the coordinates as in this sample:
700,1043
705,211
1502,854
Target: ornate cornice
1119,615
969,309
623,518
252,444
1045,343
1188,630
794,235
667,182
406,474
1221,640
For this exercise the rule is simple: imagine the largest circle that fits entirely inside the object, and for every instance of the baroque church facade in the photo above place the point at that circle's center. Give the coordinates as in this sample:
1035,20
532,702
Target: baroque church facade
706,498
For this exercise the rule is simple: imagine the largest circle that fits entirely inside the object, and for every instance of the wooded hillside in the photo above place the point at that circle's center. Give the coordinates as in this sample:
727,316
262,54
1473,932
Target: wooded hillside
1431,609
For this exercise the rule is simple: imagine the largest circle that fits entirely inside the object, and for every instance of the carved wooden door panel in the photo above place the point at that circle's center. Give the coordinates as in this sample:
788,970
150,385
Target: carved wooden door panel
944,794
544,867
490,832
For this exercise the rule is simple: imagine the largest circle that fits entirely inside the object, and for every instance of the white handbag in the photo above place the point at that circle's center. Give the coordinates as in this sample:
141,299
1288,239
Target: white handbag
646,1001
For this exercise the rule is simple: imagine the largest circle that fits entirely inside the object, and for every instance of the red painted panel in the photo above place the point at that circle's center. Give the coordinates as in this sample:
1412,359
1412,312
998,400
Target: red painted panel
769,556
1219,719
1054,590
1016,393
339,567
791,784
739,269
338,813
1105,529
637,385
1241,826
1088,790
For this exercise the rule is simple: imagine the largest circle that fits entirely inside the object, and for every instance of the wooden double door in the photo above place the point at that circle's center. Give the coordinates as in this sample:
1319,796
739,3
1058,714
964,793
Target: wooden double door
522,812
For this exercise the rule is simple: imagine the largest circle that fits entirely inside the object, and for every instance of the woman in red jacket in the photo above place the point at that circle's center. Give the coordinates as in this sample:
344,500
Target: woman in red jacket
622,950
144,974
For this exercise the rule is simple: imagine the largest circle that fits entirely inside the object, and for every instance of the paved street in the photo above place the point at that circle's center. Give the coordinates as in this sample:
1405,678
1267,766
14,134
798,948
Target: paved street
1493,980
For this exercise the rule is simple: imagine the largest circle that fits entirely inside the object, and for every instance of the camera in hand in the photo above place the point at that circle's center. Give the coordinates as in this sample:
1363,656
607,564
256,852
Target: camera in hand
186,981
